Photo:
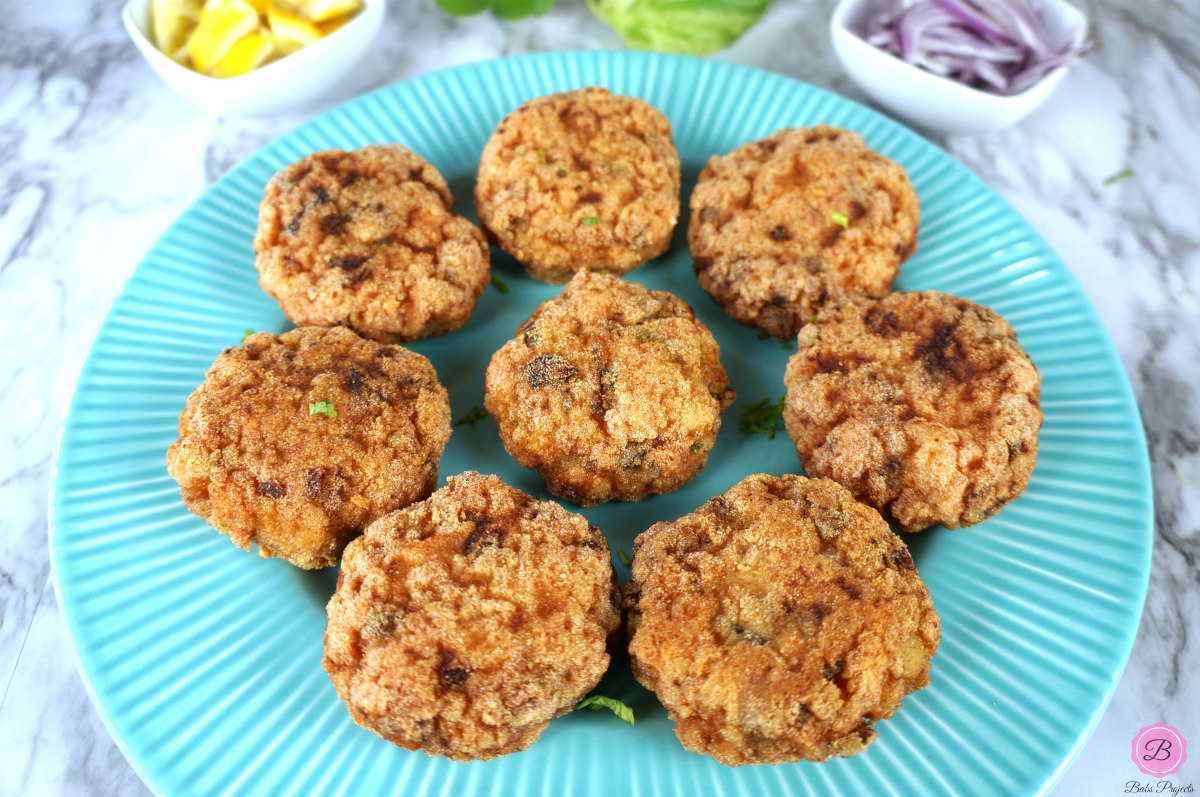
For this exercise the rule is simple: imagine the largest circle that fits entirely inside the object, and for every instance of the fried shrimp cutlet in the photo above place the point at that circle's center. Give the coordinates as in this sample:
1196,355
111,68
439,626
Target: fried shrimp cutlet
463,624
610,390
778,622
295,442
923,404
783,227
583,179
367,239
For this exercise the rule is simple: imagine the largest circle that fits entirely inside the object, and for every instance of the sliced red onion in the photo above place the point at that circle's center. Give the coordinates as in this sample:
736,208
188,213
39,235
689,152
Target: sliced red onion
992,75
994,45
974,21
915,23
975,48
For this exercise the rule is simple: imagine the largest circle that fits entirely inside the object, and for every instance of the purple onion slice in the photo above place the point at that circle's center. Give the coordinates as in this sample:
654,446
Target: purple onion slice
999,46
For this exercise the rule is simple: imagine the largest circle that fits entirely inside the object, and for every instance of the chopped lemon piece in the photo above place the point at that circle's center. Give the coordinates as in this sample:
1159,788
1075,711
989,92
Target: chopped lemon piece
221,24
294,7
173,21
290,31
329,27
247,53
325,10
226,38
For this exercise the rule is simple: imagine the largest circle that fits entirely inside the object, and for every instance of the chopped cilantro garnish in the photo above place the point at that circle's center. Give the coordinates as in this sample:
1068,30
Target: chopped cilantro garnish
762,416
1121,175
322,408
591,221
562,172
499,284
813,320
541,153
597,702
840,219
247,334
476,414
787,344
698,445
624,557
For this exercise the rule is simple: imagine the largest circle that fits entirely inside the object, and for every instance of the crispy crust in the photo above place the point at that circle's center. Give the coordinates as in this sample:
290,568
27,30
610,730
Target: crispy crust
580,155
611,390
463,624
366,239
764,238
923,404
254,463
778,621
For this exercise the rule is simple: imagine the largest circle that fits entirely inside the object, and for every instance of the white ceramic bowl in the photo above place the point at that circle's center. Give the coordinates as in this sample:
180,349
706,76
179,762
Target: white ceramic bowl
932,101
289,84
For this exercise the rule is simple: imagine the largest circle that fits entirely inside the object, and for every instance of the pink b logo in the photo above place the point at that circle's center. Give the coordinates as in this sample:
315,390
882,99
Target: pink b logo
1159,750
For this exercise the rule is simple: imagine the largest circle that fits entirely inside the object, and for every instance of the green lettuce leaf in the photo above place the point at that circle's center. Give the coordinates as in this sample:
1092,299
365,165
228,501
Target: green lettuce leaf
694,27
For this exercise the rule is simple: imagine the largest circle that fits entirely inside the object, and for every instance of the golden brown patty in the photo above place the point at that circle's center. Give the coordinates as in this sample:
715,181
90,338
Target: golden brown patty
580,180
463,624
366,239
766,242
922,404
778,621
610,390
256,463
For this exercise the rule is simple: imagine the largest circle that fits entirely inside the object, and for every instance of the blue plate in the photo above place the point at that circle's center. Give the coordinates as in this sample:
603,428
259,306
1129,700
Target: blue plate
205,661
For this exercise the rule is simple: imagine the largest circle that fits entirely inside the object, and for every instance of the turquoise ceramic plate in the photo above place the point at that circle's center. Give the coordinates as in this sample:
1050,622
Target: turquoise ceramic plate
206,661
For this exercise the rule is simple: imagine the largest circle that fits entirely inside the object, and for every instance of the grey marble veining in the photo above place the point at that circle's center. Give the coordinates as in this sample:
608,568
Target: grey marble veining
97,157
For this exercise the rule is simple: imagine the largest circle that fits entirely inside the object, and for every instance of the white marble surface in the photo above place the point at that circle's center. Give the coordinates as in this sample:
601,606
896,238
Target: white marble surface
97,157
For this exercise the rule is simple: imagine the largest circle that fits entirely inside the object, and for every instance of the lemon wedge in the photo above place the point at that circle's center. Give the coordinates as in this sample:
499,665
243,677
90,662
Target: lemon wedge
290,31
326,10
173,21
222,23
247,53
